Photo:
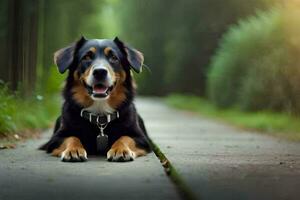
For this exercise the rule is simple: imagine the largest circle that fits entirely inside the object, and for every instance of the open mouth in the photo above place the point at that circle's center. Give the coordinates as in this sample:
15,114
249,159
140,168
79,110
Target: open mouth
99,90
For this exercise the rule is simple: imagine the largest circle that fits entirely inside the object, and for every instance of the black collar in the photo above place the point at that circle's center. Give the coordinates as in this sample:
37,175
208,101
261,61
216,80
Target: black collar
99,119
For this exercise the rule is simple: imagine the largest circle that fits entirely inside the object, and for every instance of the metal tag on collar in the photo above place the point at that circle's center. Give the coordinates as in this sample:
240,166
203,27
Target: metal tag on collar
102,143
102,130
102,139
101,127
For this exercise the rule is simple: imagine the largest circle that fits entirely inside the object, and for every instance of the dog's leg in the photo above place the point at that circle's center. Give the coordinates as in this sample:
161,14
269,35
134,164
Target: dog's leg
71,150
124,149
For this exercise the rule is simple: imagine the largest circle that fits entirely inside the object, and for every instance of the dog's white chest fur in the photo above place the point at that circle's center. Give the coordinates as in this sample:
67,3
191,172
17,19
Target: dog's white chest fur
100,107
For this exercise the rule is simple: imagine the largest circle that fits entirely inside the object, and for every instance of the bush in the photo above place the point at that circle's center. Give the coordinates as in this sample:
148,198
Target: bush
38,111
54,82
256,66
6,110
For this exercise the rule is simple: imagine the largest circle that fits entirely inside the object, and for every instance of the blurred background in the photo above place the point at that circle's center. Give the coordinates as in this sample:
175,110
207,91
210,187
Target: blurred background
236,60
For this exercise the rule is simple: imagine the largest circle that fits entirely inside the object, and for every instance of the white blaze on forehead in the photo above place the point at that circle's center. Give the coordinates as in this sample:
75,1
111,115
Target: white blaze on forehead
100,41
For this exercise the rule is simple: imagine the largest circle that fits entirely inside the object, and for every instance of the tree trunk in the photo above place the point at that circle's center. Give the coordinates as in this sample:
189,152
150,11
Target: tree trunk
22,37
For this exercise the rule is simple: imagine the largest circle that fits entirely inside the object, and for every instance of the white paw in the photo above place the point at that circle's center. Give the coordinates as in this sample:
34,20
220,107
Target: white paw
120,154
74,155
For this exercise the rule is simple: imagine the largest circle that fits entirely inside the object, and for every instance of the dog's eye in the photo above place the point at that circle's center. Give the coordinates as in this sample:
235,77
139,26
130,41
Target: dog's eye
113,59
88,57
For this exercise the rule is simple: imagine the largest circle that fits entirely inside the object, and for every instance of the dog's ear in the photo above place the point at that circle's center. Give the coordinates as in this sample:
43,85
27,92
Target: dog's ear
64,57
134,57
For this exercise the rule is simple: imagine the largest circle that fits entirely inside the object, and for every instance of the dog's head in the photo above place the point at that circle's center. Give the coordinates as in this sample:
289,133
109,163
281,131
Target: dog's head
99,67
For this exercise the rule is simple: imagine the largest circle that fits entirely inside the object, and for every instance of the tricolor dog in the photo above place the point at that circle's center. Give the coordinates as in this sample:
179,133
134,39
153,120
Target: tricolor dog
98,115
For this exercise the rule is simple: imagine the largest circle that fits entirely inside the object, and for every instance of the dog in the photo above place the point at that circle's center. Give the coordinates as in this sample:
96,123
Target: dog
98,114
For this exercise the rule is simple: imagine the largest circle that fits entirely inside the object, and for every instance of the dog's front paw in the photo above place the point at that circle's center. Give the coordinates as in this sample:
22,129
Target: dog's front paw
75,154
120,153
124,149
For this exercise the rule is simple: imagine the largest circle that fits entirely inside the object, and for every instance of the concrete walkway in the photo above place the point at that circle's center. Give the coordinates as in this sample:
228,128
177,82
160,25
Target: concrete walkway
215,160
29,174
221,162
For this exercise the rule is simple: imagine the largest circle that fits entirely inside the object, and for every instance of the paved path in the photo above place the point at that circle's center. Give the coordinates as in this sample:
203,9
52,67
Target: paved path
220,162
216,162
30,174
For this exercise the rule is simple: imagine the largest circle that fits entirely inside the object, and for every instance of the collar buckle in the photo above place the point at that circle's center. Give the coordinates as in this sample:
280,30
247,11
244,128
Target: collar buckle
100,123
99,119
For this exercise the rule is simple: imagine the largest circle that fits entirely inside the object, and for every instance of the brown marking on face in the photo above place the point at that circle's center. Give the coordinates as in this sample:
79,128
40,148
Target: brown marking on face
118,94
111,72
90,53
93,49
71,145
107,51
76,75
125,146
85,75
80,94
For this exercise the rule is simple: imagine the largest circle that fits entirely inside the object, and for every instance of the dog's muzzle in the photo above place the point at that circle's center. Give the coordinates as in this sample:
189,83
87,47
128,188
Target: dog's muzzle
99,84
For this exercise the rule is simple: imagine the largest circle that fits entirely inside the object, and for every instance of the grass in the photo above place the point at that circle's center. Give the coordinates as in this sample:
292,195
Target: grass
182,187
18,115
25,117
278,124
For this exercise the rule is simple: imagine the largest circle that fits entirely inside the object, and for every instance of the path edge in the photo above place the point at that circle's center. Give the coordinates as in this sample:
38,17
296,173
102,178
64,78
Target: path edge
183,189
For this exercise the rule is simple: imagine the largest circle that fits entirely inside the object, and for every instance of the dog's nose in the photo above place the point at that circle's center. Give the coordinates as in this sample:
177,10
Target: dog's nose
100,74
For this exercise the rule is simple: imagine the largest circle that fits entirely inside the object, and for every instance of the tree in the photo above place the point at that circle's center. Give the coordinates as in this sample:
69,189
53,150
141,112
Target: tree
179,37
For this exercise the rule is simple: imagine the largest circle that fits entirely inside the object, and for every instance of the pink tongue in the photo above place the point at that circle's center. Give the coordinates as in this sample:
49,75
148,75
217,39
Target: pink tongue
100,90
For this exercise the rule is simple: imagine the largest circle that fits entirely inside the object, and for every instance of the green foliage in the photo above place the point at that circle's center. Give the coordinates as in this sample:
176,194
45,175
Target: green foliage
54,82
178,38
36,112
256,66
17,114
65,22
279,124
48,26
6,110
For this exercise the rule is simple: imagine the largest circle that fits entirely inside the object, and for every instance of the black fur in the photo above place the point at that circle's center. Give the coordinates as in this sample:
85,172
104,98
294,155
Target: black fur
70,123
